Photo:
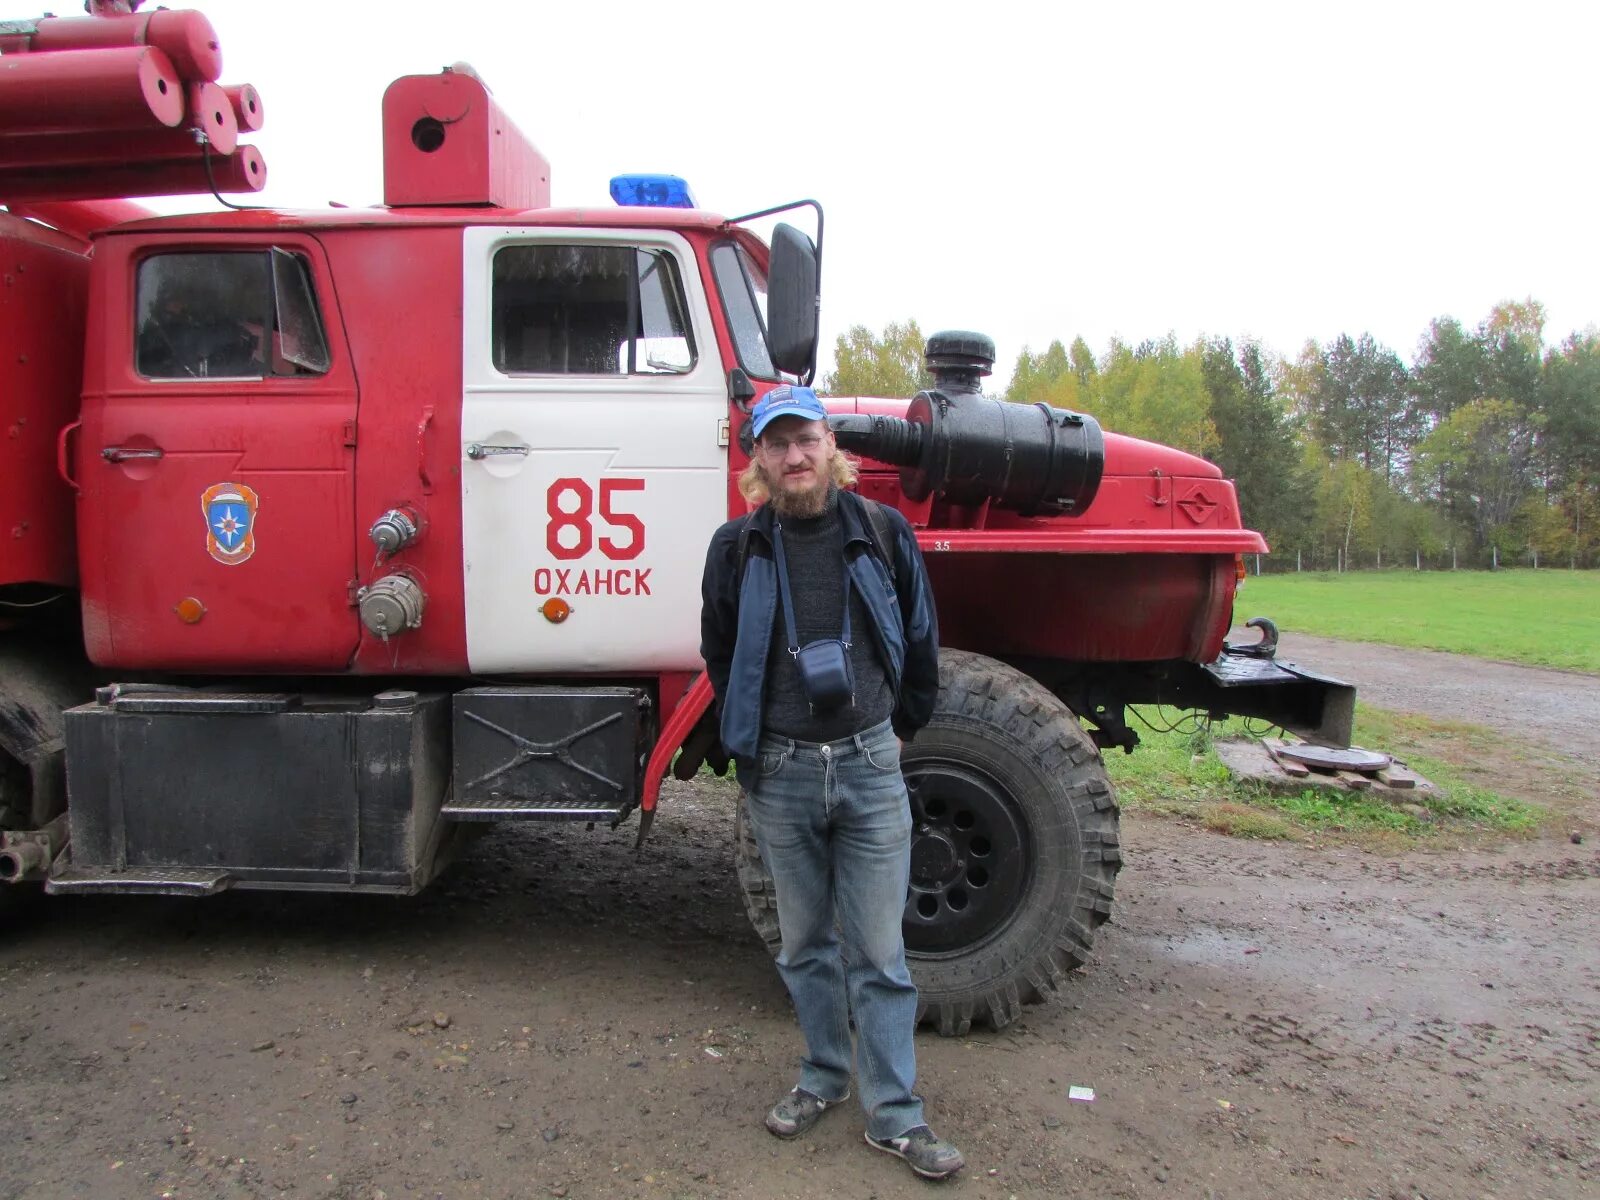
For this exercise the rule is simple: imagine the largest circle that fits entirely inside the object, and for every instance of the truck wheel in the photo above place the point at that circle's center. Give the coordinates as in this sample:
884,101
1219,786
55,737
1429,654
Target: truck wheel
15,791
1013,867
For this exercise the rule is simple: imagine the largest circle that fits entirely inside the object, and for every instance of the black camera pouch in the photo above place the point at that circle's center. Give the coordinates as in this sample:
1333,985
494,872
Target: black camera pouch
825,673
824,665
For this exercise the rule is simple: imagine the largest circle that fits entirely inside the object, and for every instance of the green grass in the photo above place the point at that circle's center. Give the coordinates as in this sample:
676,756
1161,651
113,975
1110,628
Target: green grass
1547,618
1177,774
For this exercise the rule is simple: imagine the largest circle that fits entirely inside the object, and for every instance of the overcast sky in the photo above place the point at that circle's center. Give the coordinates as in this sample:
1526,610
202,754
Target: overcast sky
1283,171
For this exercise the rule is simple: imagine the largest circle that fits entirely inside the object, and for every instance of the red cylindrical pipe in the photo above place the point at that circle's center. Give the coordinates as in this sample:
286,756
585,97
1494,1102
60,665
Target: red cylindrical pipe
210,109
247,108
83,217
127,147
132,87
242,171
186,37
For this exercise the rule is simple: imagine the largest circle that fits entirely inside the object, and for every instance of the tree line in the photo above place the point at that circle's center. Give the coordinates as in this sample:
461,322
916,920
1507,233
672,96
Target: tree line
1483,450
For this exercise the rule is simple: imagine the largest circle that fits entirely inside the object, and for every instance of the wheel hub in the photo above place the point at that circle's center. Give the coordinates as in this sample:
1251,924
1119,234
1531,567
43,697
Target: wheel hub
970,856
933,857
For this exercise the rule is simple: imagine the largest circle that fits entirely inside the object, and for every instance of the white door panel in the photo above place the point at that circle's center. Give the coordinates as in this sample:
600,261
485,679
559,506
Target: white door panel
609,507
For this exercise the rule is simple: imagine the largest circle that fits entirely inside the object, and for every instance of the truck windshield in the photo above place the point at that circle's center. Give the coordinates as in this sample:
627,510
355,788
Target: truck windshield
743,286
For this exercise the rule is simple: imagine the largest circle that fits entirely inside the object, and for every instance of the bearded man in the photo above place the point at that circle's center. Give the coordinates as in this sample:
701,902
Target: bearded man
818,633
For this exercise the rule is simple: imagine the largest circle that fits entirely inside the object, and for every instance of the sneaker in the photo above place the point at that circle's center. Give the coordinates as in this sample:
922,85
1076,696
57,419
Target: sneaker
798,1112
924,1152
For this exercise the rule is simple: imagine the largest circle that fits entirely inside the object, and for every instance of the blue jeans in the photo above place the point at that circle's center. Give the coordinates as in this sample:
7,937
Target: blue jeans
834,827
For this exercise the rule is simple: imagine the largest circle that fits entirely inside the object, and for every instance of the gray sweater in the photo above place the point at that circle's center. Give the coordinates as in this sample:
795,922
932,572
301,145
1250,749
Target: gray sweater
814,551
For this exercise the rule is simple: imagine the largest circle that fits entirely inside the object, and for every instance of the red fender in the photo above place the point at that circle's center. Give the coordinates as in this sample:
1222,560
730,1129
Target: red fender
684,717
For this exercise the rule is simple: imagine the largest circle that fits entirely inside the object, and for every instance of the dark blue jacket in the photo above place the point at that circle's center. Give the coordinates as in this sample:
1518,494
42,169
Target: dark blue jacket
736,620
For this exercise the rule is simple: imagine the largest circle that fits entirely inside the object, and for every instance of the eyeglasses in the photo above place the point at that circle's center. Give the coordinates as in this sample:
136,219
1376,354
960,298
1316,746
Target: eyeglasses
779,447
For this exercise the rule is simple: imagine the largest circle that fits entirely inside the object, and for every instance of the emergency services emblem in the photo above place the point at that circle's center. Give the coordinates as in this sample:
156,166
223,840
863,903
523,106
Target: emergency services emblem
230,512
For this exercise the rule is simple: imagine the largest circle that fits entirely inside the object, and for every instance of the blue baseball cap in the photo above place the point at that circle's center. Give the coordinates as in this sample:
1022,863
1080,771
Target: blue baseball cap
786,400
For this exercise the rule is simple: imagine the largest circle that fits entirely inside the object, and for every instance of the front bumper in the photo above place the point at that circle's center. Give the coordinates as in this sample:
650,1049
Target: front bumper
1317,707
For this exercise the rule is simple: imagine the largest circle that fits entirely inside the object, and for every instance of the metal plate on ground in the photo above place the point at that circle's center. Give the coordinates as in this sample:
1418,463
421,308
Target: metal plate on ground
1330,758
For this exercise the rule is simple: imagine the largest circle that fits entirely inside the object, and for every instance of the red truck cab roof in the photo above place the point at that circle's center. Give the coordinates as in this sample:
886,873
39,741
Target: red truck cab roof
682,219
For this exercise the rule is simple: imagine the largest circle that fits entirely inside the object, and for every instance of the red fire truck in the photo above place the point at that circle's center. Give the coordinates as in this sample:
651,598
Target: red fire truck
330,536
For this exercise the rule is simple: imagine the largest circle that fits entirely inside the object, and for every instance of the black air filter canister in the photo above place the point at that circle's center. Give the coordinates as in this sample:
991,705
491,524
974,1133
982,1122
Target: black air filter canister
966,448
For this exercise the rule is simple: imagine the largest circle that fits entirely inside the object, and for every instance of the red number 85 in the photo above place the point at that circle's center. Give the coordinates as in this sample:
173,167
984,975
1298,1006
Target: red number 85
580,518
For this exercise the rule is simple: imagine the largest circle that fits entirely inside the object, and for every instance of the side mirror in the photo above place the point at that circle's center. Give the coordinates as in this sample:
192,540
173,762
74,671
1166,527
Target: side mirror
792,302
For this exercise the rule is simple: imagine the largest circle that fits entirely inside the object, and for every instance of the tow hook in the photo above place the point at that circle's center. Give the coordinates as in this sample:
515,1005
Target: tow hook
26,855
1267,647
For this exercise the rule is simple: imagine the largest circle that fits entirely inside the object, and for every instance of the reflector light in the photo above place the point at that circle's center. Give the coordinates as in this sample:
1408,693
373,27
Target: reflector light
651,191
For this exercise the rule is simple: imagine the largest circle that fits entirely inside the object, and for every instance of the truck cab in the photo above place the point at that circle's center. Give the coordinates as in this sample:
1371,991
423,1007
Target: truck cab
534,412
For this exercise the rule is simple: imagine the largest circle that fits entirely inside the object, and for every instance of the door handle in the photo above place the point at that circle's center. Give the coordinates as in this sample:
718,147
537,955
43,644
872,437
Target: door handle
63,457
477,450
1156,497
116,454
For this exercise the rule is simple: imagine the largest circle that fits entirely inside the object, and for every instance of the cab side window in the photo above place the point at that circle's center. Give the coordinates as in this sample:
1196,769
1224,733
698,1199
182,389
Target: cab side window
227,314
589,310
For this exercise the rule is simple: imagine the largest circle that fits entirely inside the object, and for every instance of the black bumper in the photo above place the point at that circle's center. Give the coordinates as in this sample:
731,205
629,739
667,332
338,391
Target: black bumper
1317,707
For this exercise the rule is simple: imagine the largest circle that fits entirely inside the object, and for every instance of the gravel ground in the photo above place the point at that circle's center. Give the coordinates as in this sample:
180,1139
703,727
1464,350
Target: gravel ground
559,1017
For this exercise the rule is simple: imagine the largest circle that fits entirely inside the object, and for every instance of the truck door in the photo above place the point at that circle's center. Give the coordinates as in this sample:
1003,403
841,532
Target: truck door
594,451
215,462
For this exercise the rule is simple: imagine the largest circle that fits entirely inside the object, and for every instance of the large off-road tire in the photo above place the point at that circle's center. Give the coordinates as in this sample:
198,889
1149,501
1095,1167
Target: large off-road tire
42,674
1014,859
14,795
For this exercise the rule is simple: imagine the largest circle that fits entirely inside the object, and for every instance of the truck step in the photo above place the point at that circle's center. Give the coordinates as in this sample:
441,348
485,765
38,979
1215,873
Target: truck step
71,880
506,808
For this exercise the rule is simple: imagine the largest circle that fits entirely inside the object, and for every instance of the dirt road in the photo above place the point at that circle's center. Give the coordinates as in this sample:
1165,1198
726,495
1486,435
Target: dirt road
1260,1022
1556,709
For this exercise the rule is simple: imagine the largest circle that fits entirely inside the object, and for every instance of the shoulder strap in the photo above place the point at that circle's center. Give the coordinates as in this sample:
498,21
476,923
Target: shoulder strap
882,536
787,599
744,547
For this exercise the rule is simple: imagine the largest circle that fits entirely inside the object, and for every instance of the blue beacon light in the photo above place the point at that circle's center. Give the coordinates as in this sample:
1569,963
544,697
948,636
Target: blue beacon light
652,191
